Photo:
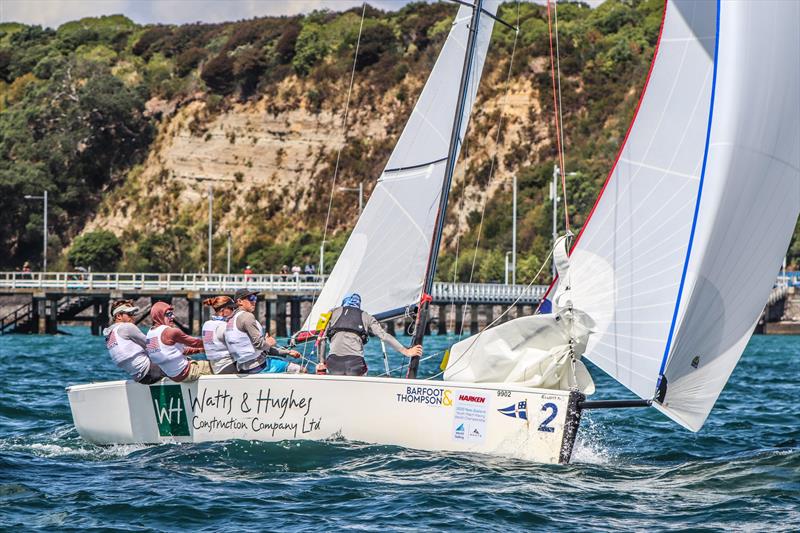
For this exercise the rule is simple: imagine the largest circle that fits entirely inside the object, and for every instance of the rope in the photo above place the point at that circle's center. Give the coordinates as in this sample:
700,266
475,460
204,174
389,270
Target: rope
344,124
476,337
492,165
403,366
557,113
339,151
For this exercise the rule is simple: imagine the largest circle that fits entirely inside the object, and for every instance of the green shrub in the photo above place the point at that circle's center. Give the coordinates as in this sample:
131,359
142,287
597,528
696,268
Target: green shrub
97,250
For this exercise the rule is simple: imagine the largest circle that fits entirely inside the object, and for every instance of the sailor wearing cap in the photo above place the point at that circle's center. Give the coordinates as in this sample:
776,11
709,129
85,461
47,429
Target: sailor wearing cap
127,344
250,345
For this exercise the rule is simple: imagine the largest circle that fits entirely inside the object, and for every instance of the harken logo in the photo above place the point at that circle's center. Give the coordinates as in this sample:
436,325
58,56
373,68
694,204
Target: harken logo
516,410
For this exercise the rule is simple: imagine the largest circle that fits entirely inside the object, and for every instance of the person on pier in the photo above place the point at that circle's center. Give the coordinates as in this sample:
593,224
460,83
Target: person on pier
348,331
168,346
127,345
253,349
217,352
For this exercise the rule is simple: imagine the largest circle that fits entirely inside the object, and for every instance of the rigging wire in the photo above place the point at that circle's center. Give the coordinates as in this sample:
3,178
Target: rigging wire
339,151
557,113
492,165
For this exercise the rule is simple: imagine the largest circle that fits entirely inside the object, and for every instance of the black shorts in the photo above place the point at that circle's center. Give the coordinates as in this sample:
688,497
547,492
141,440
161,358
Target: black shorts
346,365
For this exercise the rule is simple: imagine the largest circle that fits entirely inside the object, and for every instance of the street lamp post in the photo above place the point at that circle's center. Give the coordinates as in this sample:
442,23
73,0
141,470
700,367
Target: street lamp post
514,232
44,229
360,190
229,252
210,223
555,198
506,278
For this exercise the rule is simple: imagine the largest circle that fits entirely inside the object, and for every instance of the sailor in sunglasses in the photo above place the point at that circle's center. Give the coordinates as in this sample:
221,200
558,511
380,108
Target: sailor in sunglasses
168,346
252,348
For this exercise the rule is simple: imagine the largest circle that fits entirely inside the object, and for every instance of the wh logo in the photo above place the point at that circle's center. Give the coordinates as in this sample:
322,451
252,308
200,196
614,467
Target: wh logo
169,410
163,412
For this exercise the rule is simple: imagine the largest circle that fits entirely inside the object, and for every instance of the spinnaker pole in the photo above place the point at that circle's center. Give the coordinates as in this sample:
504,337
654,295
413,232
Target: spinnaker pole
452,156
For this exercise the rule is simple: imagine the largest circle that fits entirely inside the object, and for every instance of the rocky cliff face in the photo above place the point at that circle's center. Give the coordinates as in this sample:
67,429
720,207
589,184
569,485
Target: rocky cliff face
133,124
270,162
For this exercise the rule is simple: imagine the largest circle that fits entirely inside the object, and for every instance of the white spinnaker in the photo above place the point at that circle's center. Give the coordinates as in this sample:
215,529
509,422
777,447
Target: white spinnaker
386,256
749,205
626,266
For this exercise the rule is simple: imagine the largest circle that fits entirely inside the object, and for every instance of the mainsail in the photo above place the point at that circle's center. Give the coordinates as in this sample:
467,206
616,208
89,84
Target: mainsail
386,256
684,243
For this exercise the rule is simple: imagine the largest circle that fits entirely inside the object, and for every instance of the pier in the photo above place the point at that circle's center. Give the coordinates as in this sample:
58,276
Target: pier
45,300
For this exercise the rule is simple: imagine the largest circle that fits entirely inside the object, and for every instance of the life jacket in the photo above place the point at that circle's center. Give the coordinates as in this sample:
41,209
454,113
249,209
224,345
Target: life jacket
214,349
126,354
238,341
169,358
350,320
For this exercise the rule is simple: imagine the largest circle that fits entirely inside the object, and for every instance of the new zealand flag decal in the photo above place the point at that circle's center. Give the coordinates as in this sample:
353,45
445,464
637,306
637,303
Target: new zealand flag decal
516,410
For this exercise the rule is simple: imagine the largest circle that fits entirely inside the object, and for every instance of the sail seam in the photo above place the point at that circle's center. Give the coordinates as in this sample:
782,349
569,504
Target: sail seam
697,203
621,148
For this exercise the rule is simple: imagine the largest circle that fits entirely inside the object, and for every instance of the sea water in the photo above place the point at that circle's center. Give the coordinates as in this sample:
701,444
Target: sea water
632,469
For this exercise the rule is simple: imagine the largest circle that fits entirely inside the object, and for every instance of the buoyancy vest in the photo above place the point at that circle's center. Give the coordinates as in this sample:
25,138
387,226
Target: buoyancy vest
169,358
350,320
126,354
238,341
215,349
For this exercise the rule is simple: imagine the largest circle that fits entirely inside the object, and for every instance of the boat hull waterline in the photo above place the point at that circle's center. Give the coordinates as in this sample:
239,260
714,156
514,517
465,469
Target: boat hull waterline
497,419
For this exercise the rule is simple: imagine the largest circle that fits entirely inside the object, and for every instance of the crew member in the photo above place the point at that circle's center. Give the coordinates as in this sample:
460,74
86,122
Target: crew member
252,348
348,330
168,346
127,345
214,344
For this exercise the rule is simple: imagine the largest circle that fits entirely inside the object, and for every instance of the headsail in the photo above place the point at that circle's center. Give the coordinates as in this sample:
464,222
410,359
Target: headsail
385,257
681,249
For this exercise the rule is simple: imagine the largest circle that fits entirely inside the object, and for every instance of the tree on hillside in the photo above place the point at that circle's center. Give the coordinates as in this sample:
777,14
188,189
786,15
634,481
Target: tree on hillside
219,75
98,250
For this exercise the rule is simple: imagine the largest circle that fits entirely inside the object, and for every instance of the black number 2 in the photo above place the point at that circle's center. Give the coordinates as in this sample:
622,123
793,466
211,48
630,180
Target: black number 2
554,411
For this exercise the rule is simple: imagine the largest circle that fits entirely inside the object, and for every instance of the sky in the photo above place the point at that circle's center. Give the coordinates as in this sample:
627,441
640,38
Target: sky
52,13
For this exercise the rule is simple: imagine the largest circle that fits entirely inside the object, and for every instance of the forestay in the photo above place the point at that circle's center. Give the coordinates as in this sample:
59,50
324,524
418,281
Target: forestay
679,254
385,257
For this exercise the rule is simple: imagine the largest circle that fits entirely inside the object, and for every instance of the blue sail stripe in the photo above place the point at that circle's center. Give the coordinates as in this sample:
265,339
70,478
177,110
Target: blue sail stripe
697,204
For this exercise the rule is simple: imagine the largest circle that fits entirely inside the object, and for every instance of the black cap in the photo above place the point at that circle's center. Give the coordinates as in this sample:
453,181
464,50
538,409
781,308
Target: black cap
242,294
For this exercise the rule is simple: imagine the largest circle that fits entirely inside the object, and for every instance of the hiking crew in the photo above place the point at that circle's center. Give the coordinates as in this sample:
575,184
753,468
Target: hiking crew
251,347
214,344
168,346
348,331
127,344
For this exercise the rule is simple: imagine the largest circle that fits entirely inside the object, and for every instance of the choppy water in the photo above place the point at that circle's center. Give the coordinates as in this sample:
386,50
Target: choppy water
632,469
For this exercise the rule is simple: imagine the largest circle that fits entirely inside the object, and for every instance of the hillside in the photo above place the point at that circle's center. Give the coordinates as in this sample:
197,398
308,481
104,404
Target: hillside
127,126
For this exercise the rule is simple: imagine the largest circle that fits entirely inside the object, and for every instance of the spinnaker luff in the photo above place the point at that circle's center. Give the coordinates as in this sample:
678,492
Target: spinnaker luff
682,248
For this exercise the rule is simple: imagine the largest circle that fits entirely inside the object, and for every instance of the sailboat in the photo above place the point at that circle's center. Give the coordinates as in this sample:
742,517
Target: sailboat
661,289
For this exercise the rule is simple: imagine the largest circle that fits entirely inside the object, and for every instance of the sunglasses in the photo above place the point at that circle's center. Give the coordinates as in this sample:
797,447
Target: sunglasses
169,314
252,298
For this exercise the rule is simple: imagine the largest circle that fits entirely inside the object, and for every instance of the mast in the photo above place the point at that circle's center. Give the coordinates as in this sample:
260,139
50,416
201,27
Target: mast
452,155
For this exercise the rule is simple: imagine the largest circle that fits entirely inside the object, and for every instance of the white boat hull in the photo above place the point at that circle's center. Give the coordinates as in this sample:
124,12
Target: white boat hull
497,419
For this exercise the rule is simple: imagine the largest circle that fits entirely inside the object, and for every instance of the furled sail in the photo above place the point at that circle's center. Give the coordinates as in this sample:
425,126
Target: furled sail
681,250
541,351
385,257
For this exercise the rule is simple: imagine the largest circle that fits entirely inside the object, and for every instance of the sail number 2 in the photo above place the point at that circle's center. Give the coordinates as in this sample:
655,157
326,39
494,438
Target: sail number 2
544,426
